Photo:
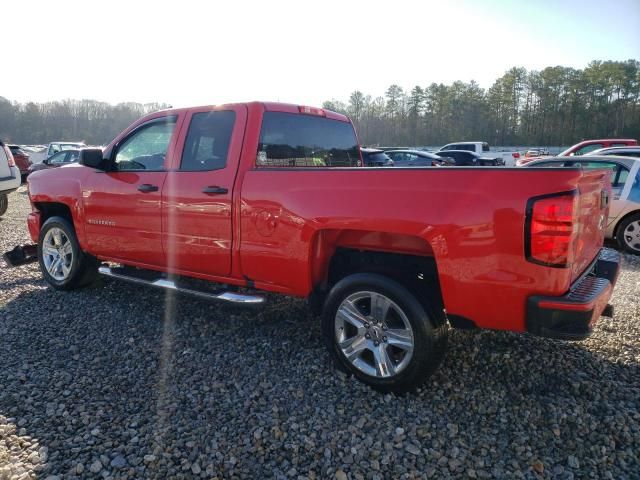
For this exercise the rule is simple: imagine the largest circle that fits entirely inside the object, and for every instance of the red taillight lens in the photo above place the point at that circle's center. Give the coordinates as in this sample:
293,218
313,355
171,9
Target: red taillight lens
551,223
312,111
12,161
515,155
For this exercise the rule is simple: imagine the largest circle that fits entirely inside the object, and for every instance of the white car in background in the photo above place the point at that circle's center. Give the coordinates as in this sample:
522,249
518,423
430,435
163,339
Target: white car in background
55,147
623,223
9,176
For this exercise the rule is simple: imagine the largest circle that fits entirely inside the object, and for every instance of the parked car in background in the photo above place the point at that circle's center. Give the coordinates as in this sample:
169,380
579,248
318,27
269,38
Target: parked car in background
465,158
57,160
56,147
483,149
22,160
618,151
374,157
587,146
418,158
9,176
623,223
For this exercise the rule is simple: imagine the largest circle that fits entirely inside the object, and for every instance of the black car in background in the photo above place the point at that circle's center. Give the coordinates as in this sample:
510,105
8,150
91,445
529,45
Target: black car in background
464,158
418,158
374,157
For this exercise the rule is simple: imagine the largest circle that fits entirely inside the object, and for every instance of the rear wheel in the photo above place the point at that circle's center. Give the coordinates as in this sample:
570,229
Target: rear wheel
63,264
628,234
4,204
379,332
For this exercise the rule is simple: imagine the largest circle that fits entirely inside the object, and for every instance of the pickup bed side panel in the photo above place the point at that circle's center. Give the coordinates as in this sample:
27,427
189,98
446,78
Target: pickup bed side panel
471,219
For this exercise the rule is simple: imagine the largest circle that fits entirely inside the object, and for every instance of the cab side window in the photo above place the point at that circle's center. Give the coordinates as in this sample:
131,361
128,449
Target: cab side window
207,143
146,147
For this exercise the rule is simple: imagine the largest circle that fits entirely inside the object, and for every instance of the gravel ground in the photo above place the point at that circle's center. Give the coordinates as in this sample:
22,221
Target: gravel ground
117,381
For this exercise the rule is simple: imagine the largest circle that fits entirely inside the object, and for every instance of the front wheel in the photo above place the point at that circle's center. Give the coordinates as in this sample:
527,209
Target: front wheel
63,264
628,234
379,332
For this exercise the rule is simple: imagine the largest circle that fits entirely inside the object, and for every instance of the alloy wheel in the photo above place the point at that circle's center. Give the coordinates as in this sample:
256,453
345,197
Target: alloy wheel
57,253
374,334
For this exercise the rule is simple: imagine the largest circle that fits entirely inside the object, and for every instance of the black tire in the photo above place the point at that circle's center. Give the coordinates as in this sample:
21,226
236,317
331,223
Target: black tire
4,204
629,243
429,339
83,268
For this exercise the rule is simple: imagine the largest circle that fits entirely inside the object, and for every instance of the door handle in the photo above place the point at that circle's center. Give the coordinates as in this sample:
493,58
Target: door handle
214,190
147,187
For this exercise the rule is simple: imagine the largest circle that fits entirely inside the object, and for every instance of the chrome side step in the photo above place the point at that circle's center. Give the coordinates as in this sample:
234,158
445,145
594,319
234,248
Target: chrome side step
225,296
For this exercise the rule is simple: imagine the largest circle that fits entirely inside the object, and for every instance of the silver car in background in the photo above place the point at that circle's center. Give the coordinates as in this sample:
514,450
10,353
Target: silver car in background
623,224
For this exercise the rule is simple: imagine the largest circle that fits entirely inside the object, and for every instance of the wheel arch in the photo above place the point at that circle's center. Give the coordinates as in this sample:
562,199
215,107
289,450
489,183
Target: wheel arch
408,259
60,209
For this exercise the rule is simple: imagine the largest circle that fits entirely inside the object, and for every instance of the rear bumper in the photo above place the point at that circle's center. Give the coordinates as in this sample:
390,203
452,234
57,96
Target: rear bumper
573,315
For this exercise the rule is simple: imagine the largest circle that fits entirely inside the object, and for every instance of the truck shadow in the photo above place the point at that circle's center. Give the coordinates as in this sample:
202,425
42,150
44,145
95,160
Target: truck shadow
122,370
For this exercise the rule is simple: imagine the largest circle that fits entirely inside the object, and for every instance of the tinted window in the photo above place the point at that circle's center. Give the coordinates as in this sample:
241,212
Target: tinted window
485,147
207,142
292,140
619,145
378,158
588,148
146,147
470,148
627,154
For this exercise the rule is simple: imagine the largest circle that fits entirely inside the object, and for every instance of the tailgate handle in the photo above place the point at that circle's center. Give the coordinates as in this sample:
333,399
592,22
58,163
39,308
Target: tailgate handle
215,190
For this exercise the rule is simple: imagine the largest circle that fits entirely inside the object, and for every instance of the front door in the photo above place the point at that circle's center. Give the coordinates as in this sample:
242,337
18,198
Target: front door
123,206
197,195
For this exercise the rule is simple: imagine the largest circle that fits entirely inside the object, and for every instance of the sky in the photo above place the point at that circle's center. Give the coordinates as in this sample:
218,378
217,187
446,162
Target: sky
191,52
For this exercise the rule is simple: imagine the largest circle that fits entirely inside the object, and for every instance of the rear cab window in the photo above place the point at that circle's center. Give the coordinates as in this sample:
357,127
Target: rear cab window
299,140
485,147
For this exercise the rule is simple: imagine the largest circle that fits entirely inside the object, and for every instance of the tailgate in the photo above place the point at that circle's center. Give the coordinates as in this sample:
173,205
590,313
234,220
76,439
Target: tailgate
594,193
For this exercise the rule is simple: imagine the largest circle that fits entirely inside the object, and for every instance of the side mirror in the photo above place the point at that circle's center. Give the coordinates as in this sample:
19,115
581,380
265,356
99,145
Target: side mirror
45,161
92,157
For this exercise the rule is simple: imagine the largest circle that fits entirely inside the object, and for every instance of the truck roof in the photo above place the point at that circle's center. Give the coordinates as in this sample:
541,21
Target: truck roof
273,107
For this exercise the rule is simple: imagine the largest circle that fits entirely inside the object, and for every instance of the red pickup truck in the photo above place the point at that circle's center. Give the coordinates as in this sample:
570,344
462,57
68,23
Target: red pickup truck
224,202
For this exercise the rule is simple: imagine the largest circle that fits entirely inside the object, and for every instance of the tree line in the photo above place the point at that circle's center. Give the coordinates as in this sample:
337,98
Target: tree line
553,107
93,122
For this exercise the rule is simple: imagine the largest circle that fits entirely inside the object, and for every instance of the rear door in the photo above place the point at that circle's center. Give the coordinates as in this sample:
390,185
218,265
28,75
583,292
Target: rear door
197,196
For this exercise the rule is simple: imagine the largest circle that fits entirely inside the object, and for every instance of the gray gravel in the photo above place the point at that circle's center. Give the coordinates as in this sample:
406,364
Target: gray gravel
117,381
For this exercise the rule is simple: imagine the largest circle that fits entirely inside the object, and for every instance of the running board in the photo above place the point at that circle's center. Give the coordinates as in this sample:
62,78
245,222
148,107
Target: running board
224,296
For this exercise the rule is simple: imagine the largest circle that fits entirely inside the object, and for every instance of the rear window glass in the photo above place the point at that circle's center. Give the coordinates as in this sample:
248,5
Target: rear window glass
485,147
294,140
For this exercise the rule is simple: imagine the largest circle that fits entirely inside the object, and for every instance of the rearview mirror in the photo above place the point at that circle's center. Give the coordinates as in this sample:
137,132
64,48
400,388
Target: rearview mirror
92,157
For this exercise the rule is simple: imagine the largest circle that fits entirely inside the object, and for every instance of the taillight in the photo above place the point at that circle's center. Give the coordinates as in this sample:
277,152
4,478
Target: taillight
12,161
515,155
312,111
549,229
